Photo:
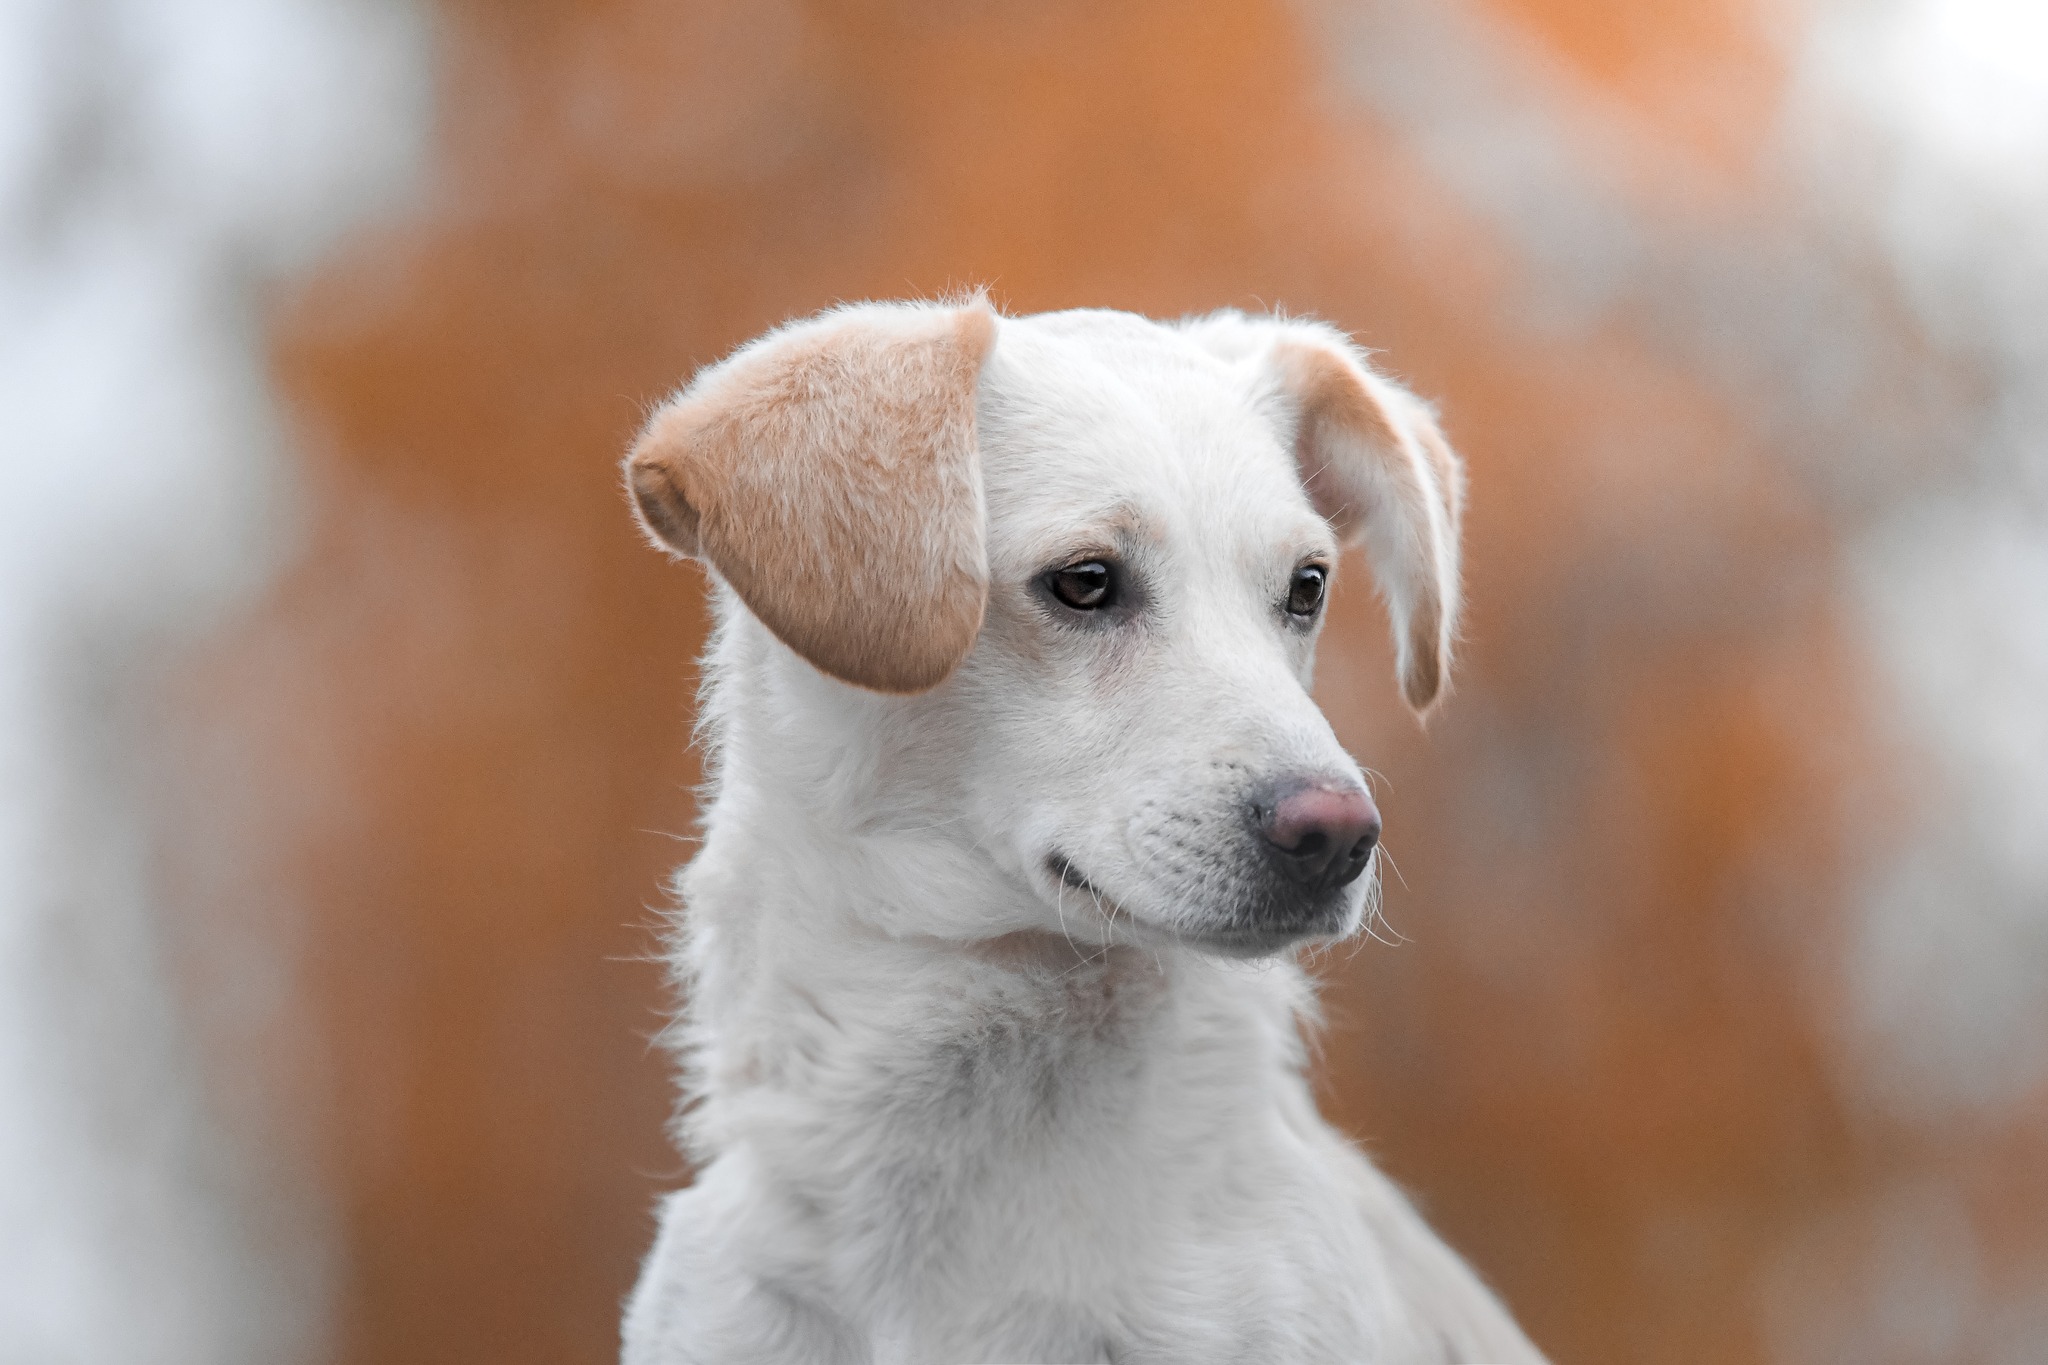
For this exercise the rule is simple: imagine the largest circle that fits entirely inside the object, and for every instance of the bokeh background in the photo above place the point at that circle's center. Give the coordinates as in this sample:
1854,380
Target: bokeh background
344,719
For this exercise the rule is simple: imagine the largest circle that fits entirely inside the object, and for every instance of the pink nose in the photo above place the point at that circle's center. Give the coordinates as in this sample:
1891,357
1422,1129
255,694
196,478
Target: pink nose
1320,836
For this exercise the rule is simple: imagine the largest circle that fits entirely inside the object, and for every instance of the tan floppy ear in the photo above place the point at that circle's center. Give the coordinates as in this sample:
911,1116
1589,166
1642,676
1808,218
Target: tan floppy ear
1378,469
1376,466
829,473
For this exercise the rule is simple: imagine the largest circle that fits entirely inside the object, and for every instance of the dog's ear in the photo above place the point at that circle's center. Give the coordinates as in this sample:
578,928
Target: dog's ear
1376,466
829,473
1378,469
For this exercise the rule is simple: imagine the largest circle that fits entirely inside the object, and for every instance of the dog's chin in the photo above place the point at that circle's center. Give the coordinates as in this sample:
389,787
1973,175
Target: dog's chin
1239,933
1248,944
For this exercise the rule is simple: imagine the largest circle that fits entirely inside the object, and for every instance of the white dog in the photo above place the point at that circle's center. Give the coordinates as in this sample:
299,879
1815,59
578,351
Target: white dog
1019,806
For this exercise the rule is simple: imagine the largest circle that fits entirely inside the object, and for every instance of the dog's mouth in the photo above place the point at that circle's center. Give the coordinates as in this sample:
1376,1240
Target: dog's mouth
1066,874
1239,940
1067,877
1107,910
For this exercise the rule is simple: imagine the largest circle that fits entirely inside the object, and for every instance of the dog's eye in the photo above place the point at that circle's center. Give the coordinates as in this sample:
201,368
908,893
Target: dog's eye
1086,586
1305,592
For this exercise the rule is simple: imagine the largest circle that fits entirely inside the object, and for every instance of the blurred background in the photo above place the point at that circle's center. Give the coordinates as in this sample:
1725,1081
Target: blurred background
343,717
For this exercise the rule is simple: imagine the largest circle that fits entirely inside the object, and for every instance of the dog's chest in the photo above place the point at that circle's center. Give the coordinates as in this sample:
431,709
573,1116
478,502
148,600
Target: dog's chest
1082,1165
1011,1124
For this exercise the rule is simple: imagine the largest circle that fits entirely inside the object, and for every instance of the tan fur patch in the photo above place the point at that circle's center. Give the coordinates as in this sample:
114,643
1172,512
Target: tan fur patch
1336,411
829,473
1377,468
1422,680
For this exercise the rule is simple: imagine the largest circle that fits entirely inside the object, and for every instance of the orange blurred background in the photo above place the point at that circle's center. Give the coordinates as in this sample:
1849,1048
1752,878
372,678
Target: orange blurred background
1687,1045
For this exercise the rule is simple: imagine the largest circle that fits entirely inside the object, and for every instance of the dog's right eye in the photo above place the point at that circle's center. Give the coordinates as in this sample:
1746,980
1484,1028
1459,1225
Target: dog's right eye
1087,586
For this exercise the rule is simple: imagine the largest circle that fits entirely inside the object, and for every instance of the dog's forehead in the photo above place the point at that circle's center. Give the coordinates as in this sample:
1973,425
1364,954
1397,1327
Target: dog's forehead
1106,363
1090,411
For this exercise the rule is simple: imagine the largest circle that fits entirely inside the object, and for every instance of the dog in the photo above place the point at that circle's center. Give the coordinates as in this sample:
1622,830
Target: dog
1017,809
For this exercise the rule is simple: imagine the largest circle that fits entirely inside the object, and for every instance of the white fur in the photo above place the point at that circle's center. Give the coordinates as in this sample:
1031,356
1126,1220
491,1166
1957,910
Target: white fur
945,1108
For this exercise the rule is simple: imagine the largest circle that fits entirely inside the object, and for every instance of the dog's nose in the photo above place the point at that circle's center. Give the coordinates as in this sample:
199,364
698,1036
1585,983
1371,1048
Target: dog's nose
1320,836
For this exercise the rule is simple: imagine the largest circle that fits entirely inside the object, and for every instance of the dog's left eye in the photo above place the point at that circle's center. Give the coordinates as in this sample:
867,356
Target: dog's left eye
1086,586
1305,592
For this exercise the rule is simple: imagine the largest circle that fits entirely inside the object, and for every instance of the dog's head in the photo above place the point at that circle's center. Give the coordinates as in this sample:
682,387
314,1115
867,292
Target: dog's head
1079,561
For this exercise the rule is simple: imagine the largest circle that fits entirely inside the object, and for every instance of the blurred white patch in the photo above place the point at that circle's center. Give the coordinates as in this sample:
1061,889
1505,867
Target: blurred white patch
1948,100
157,164
1949,972
1969,78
